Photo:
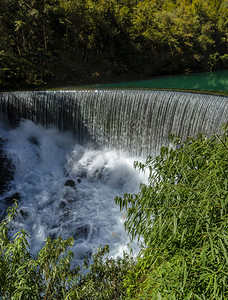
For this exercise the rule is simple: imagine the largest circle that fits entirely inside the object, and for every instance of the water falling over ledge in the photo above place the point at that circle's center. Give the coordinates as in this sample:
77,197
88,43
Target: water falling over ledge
138,121
44,160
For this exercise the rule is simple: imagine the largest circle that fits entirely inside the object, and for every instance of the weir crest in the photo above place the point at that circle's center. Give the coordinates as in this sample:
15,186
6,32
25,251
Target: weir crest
138,121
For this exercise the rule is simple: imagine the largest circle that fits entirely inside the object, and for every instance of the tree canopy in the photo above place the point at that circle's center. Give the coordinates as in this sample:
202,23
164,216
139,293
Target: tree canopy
79,41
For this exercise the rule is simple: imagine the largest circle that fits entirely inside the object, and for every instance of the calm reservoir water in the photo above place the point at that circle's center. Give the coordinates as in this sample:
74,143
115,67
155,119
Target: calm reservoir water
207,81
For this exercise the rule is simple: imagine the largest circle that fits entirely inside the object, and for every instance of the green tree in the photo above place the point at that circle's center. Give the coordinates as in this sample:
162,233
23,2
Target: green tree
53,41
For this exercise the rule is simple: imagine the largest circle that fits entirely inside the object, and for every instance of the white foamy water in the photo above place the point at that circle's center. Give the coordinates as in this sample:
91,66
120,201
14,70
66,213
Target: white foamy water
45,159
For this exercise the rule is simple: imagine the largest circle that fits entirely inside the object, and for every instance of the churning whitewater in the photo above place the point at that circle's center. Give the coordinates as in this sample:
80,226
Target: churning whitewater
68,190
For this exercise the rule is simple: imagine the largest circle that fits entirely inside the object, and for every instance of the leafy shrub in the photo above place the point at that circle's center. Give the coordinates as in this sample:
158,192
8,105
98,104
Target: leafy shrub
50,275
182,214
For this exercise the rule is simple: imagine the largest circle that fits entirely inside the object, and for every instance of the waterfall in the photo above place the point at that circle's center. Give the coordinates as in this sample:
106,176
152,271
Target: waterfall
46,160
139,121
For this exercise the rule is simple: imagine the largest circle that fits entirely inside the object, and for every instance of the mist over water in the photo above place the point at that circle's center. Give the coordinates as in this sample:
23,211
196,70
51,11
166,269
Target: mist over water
44,161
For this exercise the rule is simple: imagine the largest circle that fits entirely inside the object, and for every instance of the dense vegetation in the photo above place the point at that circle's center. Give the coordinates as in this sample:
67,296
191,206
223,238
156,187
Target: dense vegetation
182,215
79,41
50,275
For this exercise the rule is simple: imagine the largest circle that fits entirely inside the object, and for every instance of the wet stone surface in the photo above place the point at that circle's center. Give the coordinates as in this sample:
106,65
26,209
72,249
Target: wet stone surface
6,168
70,183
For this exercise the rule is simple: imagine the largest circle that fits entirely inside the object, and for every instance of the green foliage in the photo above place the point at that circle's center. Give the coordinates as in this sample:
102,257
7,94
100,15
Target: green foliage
182,215
50,274
68,41
105,281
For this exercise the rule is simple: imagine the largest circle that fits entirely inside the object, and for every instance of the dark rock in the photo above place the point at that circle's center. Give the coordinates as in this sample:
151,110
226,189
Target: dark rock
11,199
33,140
81,232
65,215
98,174
83,174
79,180
70,183
72,199
24,214
6,168
62,205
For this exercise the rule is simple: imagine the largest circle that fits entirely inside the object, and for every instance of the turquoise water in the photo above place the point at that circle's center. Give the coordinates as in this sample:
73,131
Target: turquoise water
208,81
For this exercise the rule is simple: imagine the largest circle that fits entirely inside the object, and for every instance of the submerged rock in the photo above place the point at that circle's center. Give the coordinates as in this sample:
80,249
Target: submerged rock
62,205
70,183
81,232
